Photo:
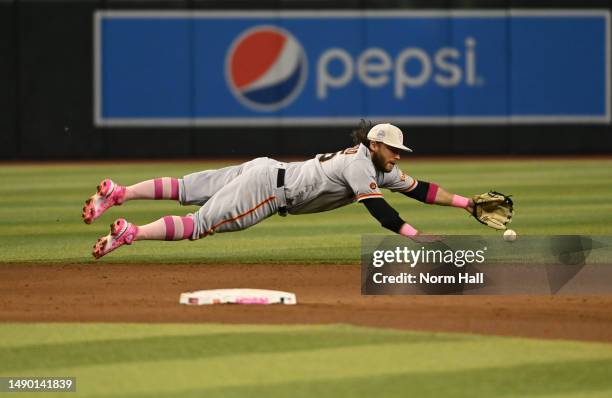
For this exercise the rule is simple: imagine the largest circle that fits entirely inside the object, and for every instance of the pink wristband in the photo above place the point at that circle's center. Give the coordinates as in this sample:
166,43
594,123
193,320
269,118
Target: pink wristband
408,230
460,201
432,192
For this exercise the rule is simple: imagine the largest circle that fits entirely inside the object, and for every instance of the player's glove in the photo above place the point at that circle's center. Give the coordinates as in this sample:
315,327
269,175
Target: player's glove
493,209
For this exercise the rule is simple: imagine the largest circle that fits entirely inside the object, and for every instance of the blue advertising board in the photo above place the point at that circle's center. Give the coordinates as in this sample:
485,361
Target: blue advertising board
166,68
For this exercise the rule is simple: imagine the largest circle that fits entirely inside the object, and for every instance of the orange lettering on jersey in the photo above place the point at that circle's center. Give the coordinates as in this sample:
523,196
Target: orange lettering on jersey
351,151
327,156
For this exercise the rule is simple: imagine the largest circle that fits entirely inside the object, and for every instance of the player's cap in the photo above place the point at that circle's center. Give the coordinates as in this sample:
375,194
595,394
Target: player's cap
388,134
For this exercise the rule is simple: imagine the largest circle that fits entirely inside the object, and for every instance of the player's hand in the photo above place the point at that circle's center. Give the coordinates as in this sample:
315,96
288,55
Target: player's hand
470,207
493,209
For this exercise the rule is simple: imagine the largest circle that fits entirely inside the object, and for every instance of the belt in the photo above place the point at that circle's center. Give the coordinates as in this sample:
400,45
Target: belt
280,178
281,200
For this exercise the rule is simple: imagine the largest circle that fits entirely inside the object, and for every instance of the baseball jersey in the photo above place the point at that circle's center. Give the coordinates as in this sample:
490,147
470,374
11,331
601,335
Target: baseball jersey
336,179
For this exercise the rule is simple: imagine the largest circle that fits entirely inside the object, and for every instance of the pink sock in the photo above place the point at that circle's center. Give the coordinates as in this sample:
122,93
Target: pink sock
158,188
167,228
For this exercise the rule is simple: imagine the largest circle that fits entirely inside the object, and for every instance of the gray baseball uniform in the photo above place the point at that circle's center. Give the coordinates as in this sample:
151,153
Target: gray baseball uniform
237,197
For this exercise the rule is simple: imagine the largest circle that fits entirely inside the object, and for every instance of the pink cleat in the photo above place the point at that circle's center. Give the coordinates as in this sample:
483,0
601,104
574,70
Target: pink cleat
108,194
121,233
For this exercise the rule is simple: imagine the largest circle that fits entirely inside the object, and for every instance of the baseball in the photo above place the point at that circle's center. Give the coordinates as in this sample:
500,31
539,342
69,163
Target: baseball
509,235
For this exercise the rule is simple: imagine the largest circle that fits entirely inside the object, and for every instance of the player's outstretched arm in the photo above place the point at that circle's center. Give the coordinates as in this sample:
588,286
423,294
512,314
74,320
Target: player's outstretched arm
388,217
430,193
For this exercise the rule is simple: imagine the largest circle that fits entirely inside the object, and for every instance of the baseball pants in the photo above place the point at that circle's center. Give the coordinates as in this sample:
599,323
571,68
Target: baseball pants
232,198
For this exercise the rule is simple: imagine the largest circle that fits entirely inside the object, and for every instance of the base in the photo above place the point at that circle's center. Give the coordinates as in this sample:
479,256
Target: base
237,296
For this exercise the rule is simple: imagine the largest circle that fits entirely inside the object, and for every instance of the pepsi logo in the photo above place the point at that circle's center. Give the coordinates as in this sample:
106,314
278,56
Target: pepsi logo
266,68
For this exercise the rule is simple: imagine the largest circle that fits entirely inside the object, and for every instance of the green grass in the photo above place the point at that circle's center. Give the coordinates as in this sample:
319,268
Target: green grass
40,211
300,361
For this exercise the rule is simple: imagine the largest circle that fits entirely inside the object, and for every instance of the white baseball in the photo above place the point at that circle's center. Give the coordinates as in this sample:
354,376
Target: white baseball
509,235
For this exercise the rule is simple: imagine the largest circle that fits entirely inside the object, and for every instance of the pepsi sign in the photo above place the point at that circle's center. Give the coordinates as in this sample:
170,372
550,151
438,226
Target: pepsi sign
166,68
266,68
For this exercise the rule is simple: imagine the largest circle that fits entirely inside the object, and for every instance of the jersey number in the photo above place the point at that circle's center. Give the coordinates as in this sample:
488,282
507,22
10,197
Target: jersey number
347,151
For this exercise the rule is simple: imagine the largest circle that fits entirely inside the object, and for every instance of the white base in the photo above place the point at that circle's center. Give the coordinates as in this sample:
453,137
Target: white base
237,296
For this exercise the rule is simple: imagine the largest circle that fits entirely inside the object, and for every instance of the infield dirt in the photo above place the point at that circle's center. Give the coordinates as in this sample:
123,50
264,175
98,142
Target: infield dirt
326,294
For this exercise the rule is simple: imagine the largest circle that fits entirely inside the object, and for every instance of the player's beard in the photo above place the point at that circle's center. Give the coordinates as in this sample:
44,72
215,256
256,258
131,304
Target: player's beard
379,162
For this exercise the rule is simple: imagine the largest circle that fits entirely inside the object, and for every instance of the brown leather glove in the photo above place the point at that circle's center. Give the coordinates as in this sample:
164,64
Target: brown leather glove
493,209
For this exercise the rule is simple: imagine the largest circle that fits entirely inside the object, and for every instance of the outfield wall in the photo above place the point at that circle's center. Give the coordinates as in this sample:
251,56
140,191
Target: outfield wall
49,95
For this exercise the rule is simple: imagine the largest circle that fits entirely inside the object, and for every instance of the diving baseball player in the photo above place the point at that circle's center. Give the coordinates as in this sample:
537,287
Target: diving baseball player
237,197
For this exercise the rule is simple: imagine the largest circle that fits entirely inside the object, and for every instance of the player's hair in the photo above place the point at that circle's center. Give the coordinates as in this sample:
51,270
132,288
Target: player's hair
360,134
